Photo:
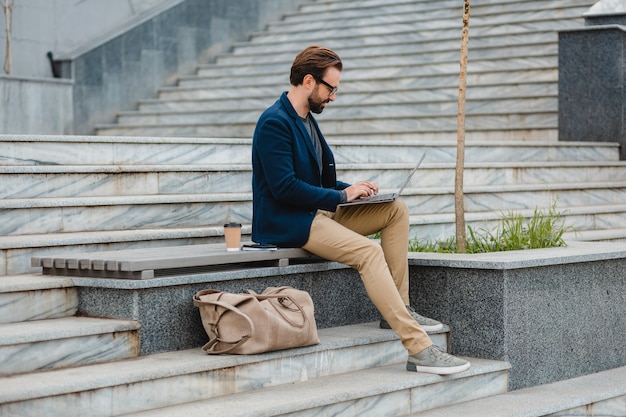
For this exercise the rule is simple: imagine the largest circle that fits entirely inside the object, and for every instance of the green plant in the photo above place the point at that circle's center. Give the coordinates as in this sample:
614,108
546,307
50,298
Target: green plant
542,230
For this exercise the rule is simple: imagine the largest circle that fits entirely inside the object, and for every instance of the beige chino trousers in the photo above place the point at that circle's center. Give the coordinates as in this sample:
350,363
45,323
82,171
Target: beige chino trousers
384,270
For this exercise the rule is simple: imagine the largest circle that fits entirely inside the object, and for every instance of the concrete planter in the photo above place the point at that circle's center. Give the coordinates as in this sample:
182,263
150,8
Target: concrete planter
553,314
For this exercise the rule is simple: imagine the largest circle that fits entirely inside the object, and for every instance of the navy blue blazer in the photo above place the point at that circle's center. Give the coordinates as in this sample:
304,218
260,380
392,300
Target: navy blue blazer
287,185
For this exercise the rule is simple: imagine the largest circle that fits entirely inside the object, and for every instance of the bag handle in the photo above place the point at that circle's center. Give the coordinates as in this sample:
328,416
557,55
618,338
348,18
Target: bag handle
208,347
281,302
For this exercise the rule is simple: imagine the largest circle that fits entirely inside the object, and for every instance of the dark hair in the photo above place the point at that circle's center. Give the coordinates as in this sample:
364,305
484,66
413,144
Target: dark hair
313,60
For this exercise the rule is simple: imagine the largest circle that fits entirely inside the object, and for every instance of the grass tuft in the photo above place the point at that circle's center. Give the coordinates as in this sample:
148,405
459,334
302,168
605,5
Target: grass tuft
542,230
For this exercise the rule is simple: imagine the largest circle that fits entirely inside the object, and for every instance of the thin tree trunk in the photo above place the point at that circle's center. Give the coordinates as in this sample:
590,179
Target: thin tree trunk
459,206
8,17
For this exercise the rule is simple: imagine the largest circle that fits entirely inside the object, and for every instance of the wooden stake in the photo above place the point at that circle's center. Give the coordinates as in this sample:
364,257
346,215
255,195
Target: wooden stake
459,206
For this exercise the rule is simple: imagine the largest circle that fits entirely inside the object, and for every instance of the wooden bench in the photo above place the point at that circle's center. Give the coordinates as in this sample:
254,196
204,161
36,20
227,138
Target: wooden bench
149,263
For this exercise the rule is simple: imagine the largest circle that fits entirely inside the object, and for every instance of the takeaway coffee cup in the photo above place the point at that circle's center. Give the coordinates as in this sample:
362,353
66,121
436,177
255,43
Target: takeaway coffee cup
232,235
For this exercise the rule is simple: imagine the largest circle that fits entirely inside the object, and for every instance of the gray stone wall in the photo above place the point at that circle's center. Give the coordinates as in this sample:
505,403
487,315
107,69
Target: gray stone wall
132,66
551,321
592,77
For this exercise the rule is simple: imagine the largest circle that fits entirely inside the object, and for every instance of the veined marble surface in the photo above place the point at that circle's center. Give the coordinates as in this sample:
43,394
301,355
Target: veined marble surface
66,342
191,375
37,304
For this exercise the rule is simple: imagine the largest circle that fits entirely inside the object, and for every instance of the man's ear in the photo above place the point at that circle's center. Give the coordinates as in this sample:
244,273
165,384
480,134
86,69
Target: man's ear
309,82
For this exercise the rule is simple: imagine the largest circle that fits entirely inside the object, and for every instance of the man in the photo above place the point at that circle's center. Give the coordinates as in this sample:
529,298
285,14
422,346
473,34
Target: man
295,198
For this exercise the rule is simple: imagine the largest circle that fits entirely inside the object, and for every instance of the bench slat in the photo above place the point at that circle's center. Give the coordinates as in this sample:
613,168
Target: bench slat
142,263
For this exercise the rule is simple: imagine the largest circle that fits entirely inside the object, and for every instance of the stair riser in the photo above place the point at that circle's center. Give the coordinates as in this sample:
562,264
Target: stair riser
26,221
481,26
16,222
380,149
427,126
382,81
404,402
67,352
411,54
202,385
369,112
443,228
410,97
240,181
440,9
408,66
66,153
396,402
38,304
15,258
128,184
547,135
425,39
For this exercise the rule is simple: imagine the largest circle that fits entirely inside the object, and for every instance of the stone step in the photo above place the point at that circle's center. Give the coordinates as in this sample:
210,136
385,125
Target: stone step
606,235
424,95
409,59
603,392
347,111
445,15
427,69
530,21
65,342
34,297
602,222
54,181
384,80
17,251
179,377
124,153
100,150
91,214
385,390
342,11
478,128
420,44
58,181
95,214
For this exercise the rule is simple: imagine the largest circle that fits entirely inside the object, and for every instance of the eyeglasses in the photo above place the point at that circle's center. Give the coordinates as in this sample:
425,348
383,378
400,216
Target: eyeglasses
333,89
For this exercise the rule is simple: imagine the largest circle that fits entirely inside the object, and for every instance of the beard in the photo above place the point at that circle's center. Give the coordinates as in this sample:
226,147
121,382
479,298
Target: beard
316,104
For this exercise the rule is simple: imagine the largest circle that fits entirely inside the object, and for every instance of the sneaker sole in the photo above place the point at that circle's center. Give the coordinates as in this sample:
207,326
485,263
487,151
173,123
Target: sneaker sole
435,328
446,370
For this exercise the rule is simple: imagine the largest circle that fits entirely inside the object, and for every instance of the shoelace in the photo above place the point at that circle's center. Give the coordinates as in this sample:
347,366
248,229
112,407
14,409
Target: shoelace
439,354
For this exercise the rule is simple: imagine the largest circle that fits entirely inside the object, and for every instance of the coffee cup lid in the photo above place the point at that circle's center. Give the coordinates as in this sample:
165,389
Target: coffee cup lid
232,224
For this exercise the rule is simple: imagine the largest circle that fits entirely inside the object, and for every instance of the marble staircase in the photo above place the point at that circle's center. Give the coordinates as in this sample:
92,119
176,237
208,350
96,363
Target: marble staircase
397,81
131,192
40,330
55,363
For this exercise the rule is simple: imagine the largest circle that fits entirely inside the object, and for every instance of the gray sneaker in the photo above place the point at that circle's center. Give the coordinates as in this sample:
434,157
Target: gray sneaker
429,325
433,360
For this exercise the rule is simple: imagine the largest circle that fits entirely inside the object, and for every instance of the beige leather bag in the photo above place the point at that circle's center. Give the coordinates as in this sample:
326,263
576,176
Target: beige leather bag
279,318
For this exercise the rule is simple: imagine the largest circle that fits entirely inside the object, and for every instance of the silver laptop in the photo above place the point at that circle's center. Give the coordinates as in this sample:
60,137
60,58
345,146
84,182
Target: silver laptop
387,197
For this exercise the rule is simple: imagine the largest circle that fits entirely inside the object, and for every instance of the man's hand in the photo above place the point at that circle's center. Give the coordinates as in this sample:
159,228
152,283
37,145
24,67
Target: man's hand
361,189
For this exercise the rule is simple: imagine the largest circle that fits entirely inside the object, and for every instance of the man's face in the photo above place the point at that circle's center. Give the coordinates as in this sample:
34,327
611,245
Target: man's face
323,92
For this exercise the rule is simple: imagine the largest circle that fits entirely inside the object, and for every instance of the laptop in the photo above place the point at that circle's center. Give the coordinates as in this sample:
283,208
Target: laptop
387,197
